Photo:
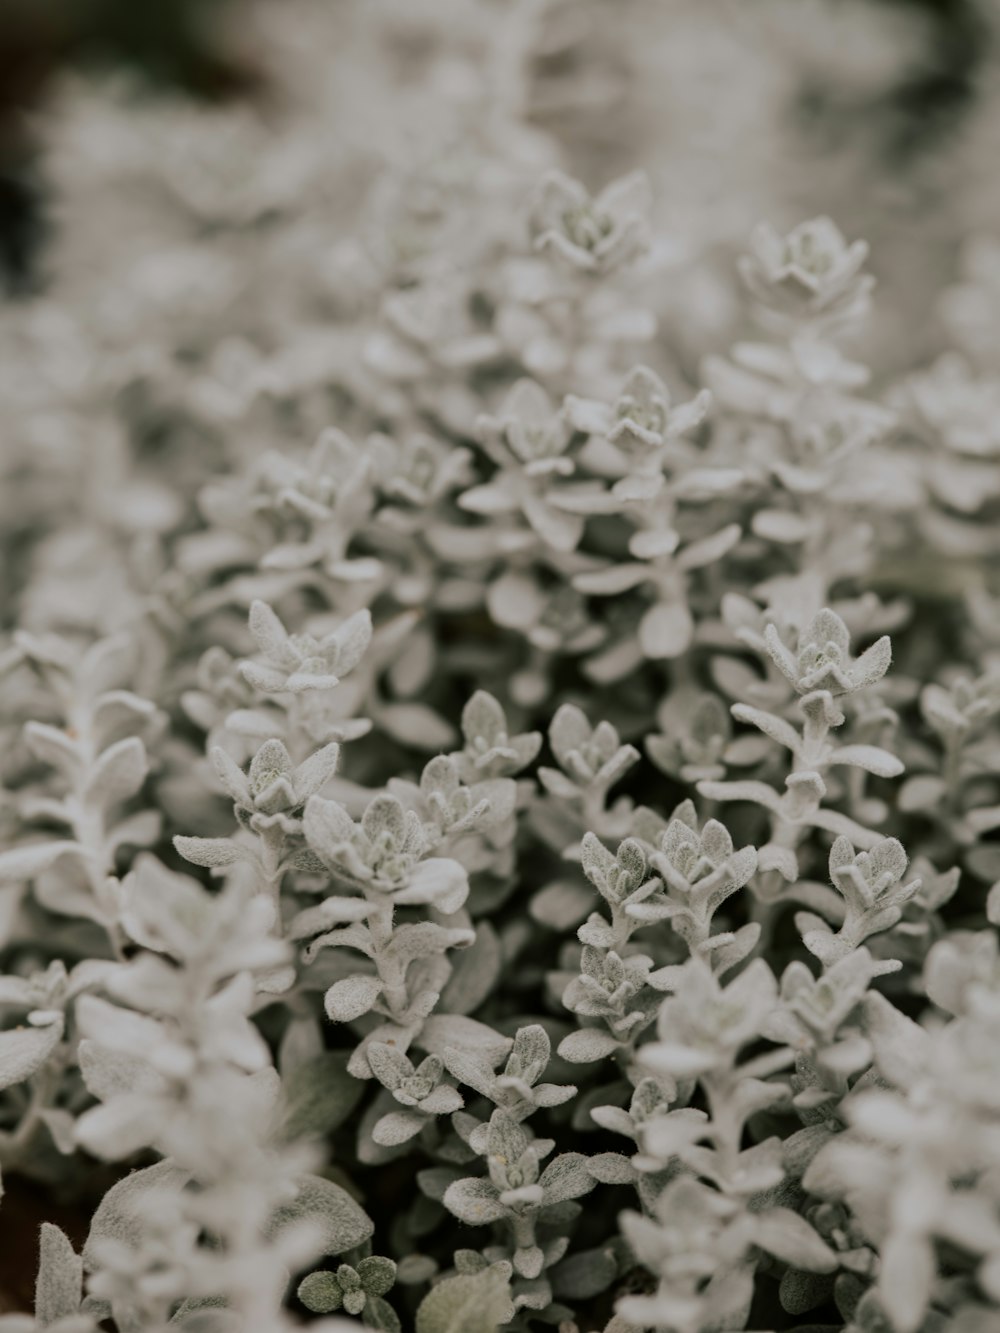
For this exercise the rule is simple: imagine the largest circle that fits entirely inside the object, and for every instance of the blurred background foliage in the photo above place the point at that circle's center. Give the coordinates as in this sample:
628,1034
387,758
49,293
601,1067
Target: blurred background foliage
184,44
880,112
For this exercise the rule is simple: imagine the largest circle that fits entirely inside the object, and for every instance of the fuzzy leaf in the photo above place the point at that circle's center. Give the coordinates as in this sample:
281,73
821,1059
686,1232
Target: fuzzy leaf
312,775
475,971
22,863
586,1045
53,746
585,1274
801,1292
23,1051
439,880
421,939
319,1095
377,1274
474,1073
873,664
906,1278
229,773
566,1177
612,1168
869,757
665,631
320,1292
789,1237
119,773
327,827
352,997
777,728
341,1222
211,852
59,1286
119,1215
483,718
466,1035
397,1127
109,1073
900,1045
469,1303
474,1201
380,1315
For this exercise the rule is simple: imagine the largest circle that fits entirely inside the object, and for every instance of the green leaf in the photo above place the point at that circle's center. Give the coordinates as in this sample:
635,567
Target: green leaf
566,1177
23,1051
319,1095
118,773
380,1315
469,1303
585,1274
474,972
320,1292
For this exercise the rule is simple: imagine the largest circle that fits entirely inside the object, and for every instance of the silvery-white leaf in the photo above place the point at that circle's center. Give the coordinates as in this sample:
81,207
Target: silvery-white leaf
475,971
53,747
59,1285
23,1051
330,912
327,827
319,1095
901,1046
869,757
611,1168
397,1127
108,1073
439,880
418,725
119,772
419,939
665,630
444,1031
474,1201
469,1303
25,862
212,852
117,1028
119,1215
352,997
585,1274
268,630
586,1045
566,1177
341,1223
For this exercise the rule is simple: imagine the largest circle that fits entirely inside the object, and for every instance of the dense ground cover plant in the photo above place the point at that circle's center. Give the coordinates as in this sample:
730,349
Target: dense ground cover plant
497,833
